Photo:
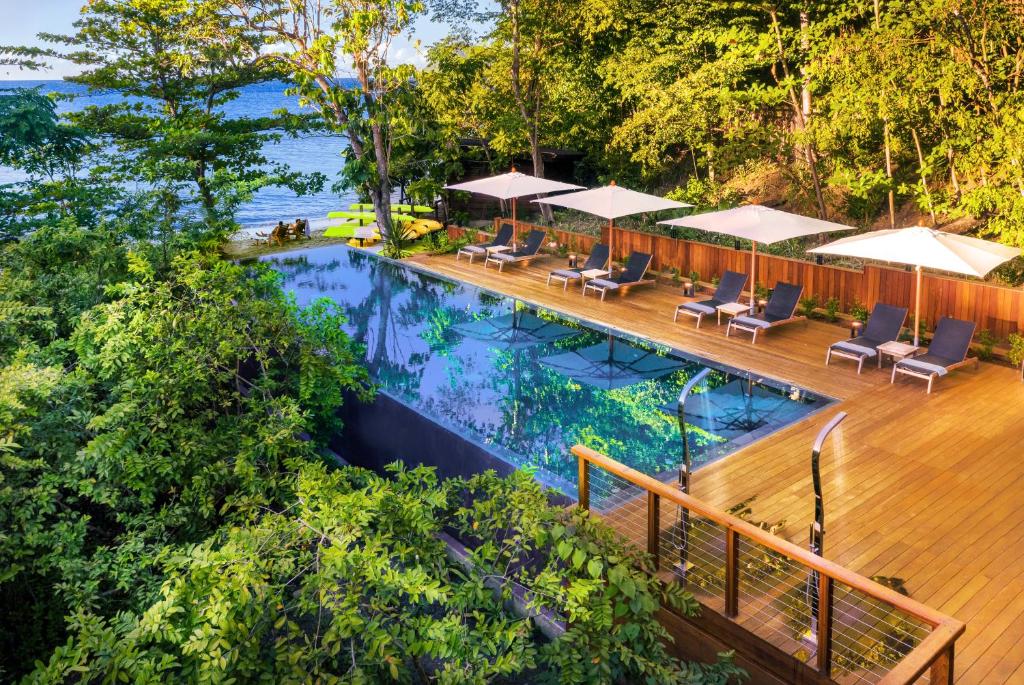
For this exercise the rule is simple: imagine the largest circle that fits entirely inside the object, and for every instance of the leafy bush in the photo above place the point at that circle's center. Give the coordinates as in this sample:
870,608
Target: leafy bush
832,309
174,406
1016,349
986,344
442,243
808,305
354,581
859,312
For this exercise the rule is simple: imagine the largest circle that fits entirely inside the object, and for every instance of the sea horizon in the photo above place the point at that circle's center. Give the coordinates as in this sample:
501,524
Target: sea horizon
305,153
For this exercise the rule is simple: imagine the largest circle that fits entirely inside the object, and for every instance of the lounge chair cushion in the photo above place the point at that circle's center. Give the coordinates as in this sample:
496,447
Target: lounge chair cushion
504,256
705,307
475,249
566,273
603,283
756,322
924,366
854,348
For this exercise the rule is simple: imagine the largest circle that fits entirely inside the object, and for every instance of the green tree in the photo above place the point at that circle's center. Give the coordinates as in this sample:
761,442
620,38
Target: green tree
530,82
51,154
178,64
163,405
316,43
355,583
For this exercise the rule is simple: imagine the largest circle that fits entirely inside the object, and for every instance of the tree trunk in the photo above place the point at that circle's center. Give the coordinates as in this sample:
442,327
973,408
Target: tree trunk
888,173
951,160
799,103
538,171
205,194
535,99
924,178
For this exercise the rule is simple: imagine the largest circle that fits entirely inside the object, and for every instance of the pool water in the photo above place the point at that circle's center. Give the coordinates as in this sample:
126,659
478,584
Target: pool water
529,383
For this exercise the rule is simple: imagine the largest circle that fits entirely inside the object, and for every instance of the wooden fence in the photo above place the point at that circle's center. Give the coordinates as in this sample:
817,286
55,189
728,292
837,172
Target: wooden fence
996,308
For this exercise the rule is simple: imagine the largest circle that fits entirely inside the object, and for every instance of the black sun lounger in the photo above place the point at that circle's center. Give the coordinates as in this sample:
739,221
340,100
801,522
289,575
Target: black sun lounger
633,274
948,351
597,259
781,310
531,249
729,290
503,237
884,325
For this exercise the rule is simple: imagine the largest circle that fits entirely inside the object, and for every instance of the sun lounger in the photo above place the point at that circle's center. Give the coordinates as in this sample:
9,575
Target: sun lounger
884,325
503,237
633,274
729,290
531,249
948,351
781,310
597,259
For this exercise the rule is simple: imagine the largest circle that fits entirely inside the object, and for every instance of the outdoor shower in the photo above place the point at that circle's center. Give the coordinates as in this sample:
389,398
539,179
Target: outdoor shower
685,469
817,536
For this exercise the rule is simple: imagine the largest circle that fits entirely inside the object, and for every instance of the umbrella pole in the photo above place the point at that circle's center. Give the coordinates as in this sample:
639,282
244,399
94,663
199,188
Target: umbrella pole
611,231
917,310
515,227
753,276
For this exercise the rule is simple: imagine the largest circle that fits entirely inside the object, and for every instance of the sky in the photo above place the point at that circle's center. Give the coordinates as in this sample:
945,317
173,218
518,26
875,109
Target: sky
22,20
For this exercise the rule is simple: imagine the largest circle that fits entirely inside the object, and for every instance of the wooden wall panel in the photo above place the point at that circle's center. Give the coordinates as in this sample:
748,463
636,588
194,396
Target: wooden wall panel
993,307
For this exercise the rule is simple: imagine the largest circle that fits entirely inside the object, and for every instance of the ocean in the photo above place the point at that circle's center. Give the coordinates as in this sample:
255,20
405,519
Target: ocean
304,154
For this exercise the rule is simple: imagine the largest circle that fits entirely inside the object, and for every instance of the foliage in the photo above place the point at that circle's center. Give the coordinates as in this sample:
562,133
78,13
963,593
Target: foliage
442,243
354,582
21,57
178,64
143,407
809,306
986,344
850,109
832,309
859,312
50,154
1016,353
317,42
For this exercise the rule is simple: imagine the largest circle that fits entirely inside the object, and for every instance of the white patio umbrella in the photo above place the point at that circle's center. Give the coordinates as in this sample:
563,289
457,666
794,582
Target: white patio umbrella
922,247
611,202
757,224
511,186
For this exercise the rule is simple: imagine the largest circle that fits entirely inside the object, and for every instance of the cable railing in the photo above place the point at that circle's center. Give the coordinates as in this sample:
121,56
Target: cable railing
849,628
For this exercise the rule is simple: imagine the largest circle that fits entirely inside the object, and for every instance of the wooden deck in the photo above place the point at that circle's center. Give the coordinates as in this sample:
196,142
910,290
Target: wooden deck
927,488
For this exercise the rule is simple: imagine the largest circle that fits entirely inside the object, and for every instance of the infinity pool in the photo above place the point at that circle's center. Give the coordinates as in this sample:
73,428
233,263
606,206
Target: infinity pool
529,383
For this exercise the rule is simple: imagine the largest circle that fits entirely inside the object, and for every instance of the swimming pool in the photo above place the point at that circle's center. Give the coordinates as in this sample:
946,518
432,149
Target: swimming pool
529,383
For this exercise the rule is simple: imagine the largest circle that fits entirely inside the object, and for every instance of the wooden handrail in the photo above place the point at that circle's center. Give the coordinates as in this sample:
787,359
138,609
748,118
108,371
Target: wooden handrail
921,658
935,649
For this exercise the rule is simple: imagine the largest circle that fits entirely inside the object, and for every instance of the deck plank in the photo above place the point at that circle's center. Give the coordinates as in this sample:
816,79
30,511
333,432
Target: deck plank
921,487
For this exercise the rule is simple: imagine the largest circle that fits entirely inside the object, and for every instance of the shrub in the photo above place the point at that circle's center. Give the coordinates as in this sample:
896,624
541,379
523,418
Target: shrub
808,305
832,309
355,580
986,344
1016,349
859,312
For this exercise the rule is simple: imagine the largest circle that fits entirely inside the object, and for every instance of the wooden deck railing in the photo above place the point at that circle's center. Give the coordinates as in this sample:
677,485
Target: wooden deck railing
931,655
994,307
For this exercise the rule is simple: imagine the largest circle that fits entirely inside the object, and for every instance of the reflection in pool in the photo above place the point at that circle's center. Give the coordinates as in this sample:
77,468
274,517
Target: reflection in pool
530,383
